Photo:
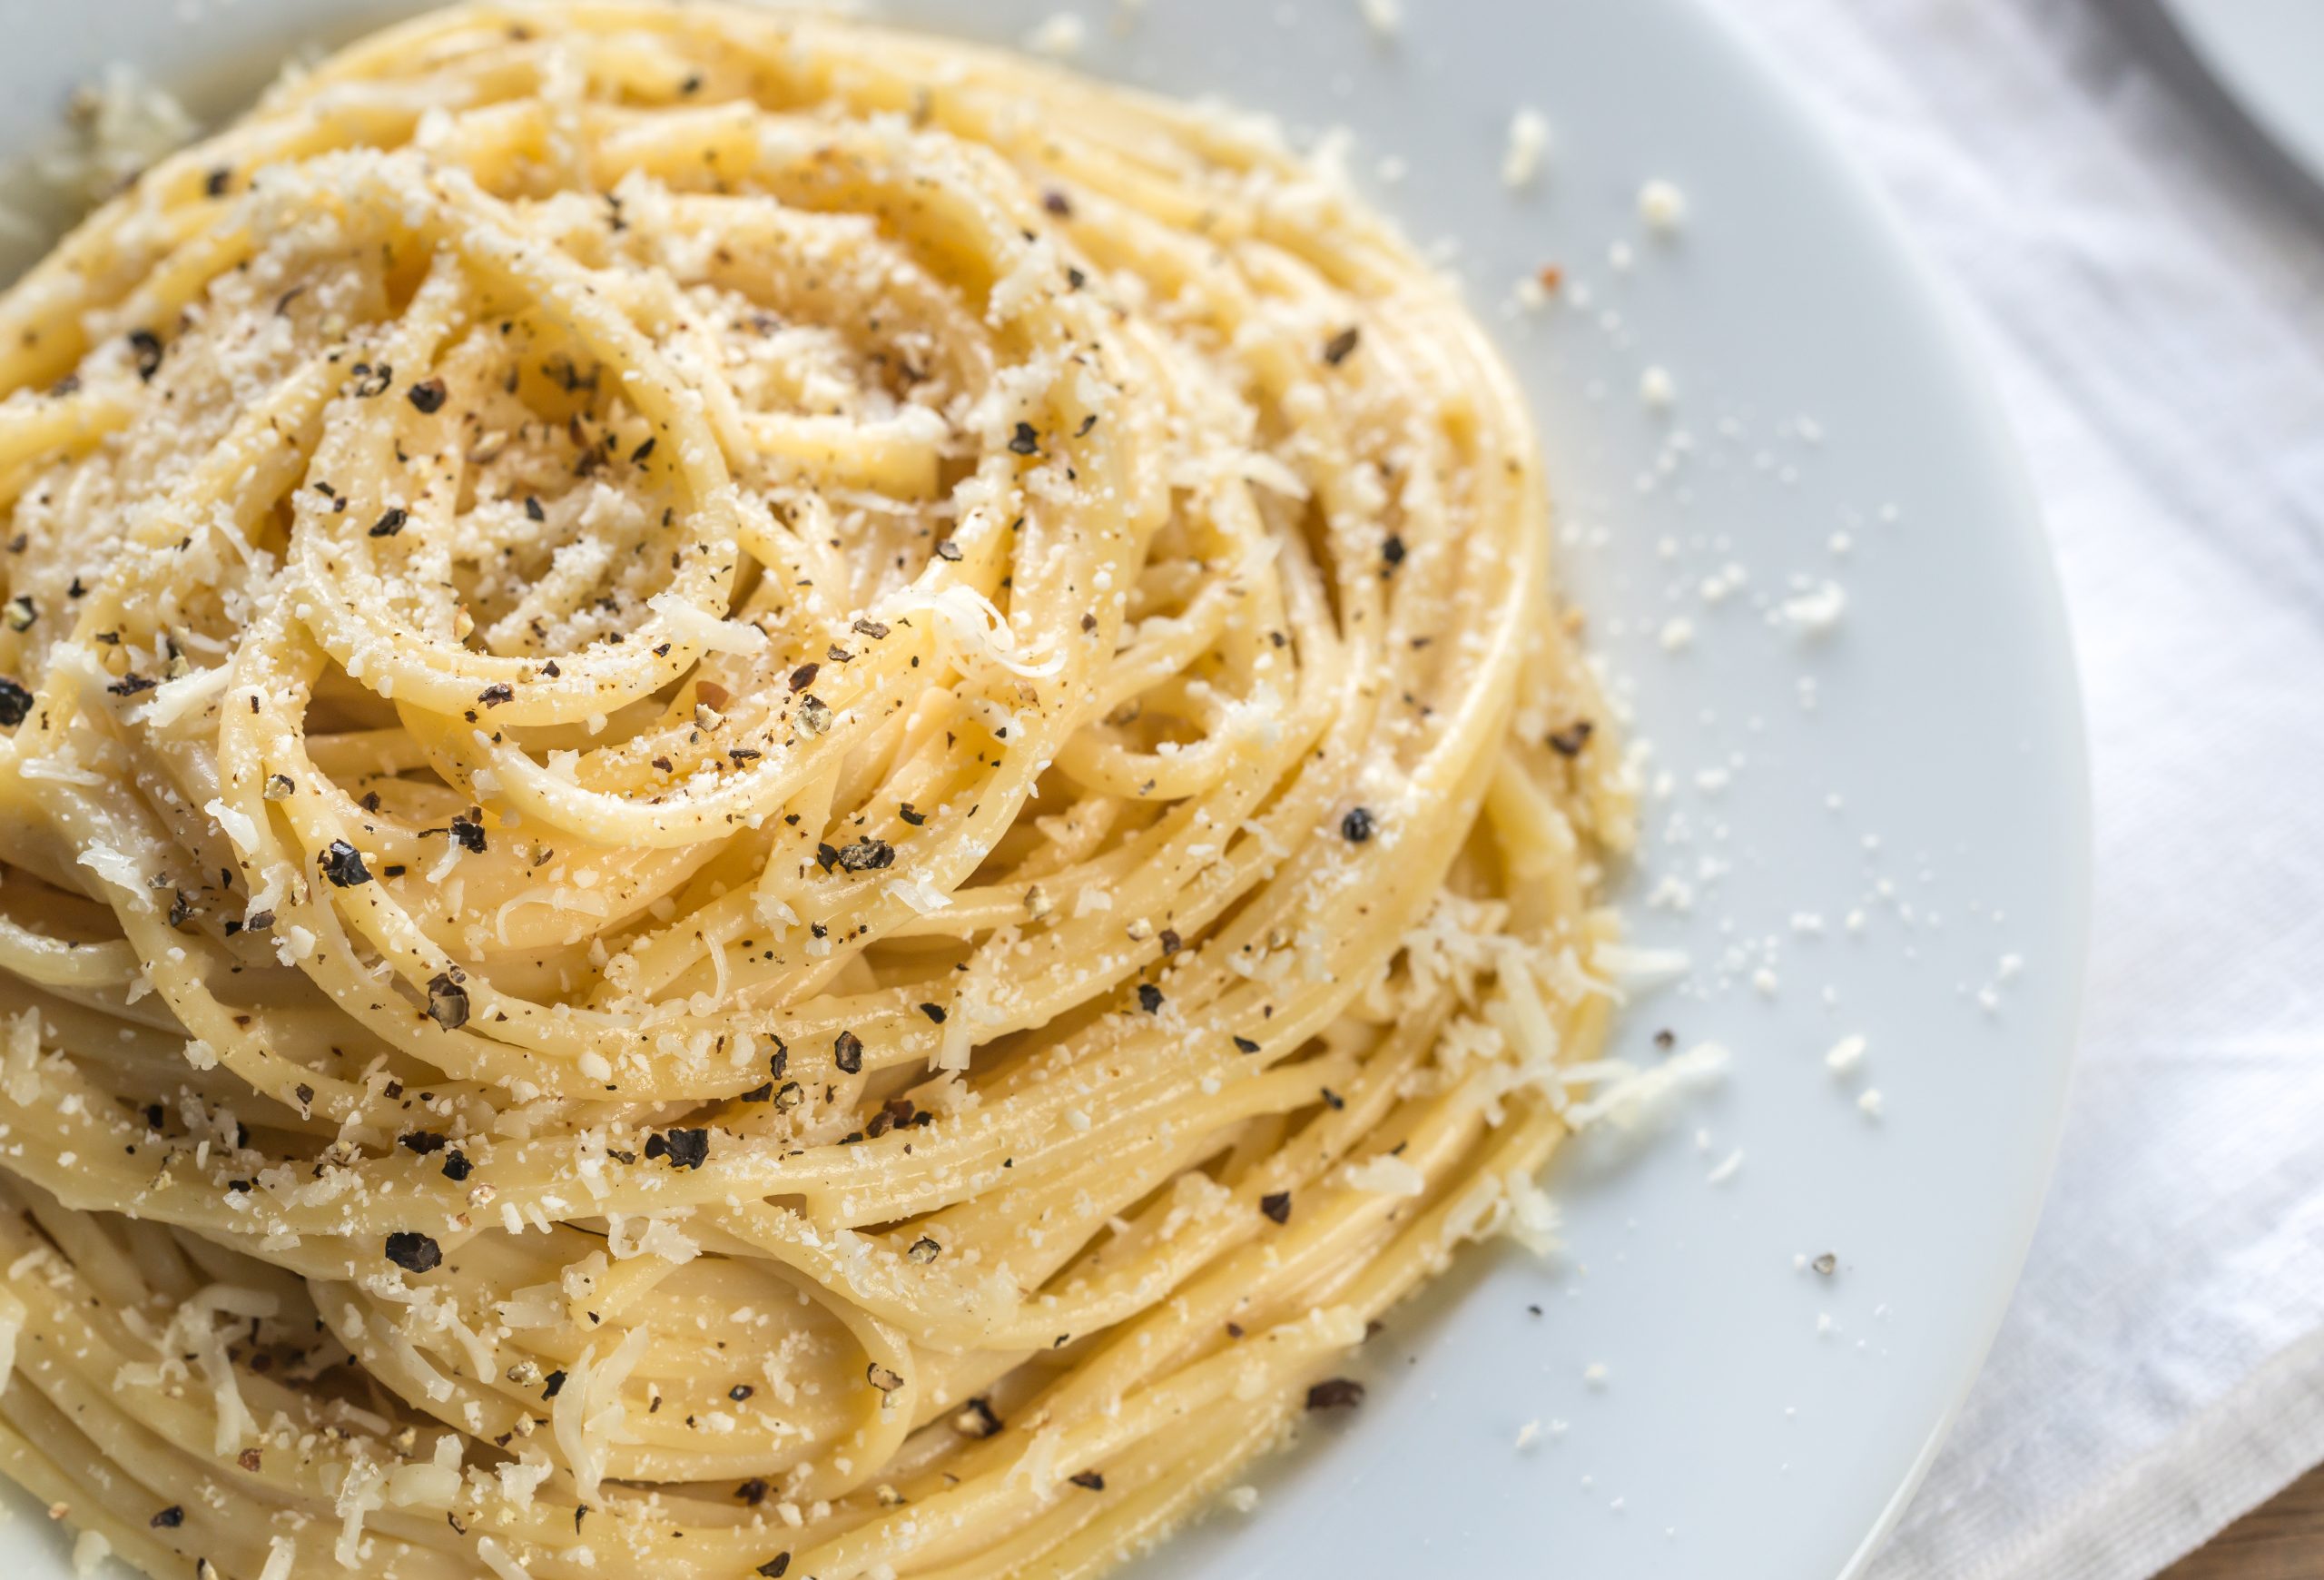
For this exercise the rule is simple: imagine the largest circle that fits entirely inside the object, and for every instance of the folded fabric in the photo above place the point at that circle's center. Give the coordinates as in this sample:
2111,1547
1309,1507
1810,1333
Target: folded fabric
2154,313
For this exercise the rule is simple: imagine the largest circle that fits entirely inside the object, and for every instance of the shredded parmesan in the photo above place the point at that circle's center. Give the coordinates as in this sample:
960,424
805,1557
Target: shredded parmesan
1626,1103
1385,1175
587,1415
1529,141
1817,611
497,1559
1059,37
977,631
699,629
1633,968
90,1551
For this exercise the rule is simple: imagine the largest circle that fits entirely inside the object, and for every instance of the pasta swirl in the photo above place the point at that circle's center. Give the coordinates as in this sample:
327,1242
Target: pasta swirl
779,799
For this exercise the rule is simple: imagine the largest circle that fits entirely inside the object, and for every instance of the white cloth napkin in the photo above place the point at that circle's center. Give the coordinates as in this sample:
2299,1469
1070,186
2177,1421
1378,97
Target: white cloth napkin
2155,314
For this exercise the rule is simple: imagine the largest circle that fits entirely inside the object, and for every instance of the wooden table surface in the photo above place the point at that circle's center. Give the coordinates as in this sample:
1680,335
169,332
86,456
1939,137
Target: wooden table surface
2283,1540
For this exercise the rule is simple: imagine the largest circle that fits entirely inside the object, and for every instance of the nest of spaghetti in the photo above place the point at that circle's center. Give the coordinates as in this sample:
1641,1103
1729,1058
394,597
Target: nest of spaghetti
779,799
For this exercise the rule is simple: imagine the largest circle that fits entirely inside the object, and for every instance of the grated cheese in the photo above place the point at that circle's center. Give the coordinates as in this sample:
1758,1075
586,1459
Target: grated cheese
1633,1098
1383,1174
924,897
497,1559
587,1417
1529,141
1632,968
90,1551
238,826
127,123
117,869
976,629
1060,37
1533,1220
1816,612
20,1065
1662,206
699,629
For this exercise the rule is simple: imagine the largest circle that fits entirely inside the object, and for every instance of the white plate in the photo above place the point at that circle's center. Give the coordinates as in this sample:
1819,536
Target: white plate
1757,1421
2267,56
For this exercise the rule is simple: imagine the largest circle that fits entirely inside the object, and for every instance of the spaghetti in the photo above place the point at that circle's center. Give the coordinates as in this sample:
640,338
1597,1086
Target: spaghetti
778,799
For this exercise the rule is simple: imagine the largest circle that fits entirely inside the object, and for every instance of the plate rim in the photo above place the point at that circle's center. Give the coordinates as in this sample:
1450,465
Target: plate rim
2027,527
1974,394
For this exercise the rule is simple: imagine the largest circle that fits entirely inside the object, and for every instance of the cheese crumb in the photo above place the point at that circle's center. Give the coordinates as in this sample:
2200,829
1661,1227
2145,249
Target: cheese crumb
1815,612
1059,38
1628,1097
1662,206
1528,1435
1656,387
1384,17
1242,1499
1529,141
1845,1055
1632,968
1386,1175
129,123
497,1559
90,1551
1870,1102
